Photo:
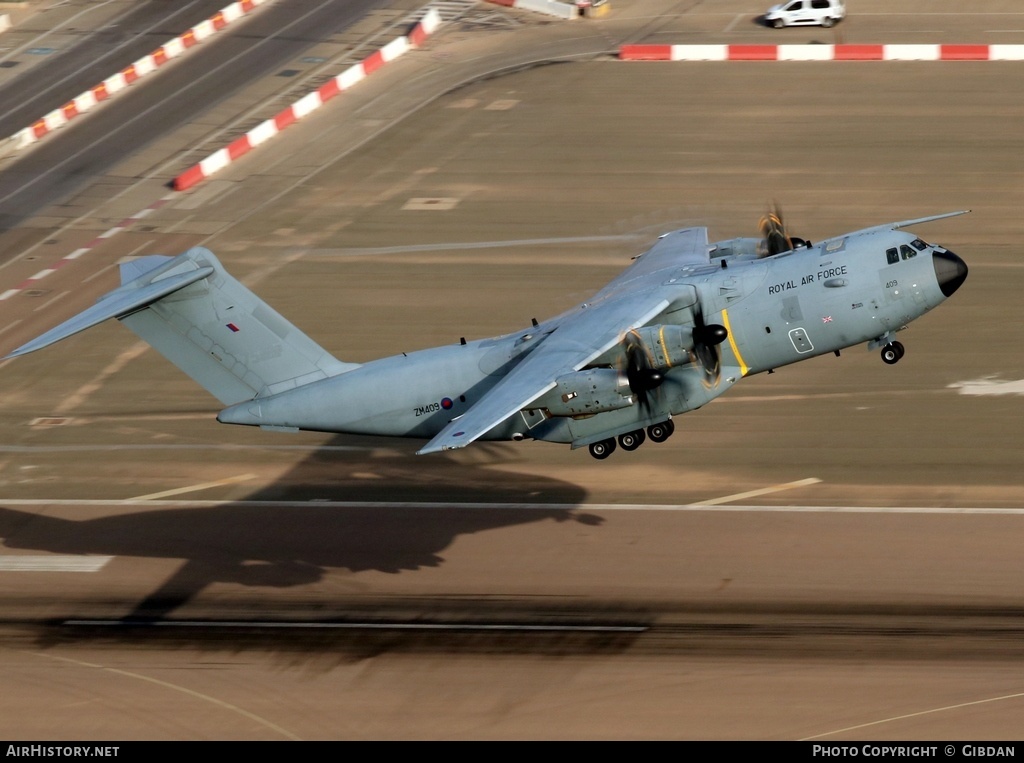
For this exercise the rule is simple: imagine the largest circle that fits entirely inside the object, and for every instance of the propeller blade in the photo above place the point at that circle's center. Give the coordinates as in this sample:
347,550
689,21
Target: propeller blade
707,338
642,375
773,232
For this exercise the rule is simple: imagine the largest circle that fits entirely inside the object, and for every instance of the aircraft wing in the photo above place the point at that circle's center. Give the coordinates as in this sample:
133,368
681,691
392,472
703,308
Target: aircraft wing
581,336
678,248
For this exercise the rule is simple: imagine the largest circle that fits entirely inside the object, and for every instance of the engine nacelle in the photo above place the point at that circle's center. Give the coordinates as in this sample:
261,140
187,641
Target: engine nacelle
593,390
666,346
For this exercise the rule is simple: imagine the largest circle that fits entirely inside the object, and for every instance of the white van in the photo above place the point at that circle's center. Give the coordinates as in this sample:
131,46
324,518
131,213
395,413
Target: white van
806,13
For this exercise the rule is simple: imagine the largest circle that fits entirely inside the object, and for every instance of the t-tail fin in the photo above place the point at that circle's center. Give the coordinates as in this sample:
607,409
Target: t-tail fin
192,311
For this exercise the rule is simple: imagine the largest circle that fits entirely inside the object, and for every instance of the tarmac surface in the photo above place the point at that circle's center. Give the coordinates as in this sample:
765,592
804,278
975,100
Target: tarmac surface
827,552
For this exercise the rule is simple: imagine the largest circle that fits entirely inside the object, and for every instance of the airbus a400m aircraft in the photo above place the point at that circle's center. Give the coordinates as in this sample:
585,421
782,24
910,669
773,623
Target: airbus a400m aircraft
682,324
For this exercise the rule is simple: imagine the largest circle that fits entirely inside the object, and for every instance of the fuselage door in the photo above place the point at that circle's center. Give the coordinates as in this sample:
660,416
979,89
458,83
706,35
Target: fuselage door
801,342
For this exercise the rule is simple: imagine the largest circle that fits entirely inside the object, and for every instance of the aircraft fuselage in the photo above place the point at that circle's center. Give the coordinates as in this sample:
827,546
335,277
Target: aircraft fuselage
778,310
677,328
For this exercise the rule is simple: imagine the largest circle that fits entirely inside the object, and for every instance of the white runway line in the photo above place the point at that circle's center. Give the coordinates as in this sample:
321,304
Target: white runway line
193,488
464,627
915,715
482,506
53,563
760,491
174,688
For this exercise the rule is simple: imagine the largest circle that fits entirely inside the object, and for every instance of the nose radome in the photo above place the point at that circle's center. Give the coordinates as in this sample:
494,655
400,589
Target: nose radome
950,271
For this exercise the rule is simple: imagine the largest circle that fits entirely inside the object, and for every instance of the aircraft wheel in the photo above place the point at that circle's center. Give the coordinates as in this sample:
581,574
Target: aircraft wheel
632,440
603,449
660,432
892,352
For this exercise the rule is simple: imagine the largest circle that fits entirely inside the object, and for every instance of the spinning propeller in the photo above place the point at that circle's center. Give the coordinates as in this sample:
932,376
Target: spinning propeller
650,351
706,340
643,376
775,237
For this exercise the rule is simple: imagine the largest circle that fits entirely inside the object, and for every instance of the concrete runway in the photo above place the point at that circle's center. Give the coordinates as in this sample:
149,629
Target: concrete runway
853,572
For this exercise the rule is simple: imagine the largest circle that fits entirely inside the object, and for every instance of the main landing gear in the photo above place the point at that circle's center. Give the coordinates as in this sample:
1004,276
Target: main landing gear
632,440
892,352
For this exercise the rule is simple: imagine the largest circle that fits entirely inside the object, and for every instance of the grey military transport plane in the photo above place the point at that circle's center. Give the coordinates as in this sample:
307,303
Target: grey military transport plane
682,324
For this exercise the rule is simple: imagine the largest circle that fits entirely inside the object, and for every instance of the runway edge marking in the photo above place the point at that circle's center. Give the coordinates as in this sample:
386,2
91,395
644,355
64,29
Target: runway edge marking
524,506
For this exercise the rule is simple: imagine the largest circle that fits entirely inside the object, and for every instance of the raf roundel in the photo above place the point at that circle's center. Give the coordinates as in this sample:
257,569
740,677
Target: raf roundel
447,403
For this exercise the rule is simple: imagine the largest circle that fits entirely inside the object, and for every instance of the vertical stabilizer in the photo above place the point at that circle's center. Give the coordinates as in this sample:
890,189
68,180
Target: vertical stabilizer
225,337
208,324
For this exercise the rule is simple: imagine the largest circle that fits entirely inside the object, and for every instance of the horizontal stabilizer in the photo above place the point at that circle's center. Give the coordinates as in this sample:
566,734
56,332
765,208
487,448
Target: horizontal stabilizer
117,304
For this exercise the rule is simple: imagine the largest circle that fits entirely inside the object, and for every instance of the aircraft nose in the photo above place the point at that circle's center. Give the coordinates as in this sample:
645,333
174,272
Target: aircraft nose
950,271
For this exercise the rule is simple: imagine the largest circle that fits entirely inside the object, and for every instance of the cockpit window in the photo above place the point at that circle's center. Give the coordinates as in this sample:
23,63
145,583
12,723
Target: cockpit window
907,252
892,255
919,245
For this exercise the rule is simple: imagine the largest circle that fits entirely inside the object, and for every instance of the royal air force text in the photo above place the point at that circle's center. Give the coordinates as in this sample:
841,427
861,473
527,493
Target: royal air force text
821,275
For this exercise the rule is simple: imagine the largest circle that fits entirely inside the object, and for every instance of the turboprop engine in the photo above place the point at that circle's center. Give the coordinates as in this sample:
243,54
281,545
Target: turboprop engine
586,392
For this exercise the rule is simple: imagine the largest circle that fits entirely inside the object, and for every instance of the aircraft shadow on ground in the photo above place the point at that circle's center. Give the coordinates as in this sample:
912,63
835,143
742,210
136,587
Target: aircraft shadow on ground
268,542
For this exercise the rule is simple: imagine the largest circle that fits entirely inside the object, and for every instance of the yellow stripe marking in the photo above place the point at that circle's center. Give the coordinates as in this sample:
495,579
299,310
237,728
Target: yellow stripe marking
744,368
664,349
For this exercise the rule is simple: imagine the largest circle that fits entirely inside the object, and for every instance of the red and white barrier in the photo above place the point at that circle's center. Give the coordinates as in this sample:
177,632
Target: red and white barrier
123,225
142,67
821,52
308,103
